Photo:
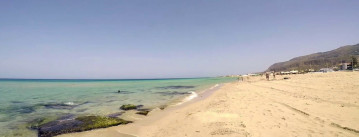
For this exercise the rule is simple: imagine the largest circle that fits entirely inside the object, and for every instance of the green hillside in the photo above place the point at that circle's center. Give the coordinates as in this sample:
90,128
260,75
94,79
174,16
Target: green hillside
318,60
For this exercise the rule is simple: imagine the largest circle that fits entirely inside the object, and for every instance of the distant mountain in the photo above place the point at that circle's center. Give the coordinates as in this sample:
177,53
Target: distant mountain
318,60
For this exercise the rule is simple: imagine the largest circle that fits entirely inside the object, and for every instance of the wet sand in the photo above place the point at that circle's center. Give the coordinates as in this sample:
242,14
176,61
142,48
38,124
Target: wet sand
320,104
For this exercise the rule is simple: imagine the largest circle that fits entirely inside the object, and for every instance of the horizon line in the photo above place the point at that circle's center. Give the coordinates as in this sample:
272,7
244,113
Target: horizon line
103,78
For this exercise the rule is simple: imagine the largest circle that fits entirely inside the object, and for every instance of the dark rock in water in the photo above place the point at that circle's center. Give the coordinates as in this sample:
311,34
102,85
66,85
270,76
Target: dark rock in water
71,124
172,93
35,123
128,107
59,106
26,109
115,114
143,112
139,106
68,105
93,122
125,92
17,102
145,109
176,87
69,116
22,109
109,101
163,107
81,110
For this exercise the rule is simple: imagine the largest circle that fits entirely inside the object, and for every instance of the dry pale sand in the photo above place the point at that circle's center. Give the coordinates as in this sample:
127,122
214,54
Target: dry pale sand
309,105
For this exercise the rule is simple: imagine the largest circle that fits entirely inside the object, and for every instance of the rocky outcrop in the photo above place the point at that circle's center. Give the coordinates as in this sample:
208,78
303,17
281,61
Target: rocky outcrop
69,124
143,111
128,107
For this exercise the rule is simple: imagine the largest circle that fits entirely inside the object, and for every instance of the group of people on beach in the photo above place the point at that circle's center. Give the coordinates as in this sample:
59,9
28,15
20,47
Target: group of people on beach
268,73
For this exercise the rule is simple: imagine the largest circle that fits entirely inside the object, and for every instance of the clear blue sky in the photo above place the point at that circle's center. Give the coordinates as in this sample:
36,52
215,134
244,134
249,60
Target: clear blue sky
166,38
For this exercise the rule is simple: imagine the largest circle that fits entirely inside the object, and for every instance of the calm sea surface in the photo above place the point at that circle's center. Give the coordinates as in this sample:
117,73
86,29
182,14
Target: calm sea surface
22,100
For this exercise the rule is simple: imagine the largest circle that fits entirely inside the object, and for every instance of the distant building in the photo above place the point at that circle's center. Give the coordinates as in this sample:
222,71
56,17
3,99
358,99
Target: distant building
253,74
311,70
294,72
326,70
344,66
284,72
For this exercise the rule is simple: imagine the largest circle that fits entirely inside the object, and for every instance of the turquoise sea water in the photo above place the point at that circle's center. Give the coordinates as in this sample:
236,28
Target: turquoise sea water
22,100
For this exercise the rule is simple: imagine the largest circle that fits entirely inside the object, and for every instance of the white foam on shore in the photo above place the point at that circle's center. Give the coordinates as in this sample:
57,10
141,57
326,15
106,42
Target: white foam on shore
194,95
188,98
69,103
214,86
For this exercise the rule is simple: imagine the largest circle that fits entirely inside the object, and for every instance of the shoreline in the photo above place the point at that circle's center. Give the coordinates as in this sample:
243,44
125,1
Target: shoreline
53,101
154,115
318,104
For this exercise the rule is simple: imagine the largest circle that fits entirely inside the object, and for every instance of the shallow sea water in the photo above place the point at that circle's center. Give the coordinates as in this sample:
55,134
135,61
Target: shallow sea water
24,100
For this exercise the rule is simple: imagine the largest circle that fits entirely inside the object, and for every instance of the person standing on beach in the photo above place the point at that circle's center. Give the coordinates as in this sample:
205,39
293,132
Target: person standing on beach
240,78
273,74
267,76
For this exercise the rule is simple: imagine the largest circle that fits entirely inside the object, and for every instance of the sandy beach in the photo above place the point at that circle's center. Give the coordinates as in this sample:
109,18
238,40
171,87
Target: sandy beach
310,105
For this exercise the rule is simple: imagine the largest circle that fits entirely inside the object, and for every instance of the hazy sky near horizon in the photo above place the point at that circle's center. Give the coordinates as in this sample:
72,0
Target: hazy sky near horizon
166,38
